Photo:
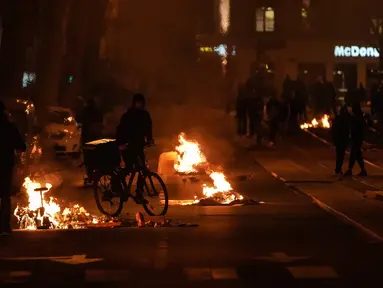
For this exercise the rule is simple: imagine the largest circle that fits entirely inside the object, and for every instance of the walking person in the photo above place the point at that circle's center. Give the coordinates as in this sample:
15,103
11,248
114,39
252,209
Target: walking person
11,141
357,129
341,137
241,111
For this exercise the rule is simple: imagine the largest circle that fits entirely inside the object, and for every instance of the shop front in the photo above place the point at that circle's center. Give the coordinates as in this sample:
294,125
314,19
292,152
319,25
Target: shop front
347,65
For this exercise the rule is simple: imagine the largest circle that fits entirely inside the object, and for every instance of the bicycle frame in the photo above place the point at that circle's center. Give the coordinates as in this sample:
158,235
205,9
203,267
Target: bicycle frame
140,169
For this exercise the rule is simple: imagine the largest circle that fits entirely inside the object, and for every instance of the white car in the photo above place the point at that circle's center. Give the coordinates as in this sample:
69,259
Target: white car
63,131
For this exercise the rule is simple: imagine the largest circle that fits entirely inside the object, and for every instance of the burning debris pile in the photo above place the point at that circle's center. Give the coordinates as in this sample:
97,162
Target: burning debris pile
41,213
324,123
191,161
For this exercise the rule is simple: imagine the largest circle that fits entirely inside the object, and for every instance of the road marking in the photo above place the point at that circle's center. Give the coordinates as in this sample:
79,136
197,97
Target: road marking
332,211
72,260
224,274
198,274
161,256
328,143
17,276
107,275
281,257
312,272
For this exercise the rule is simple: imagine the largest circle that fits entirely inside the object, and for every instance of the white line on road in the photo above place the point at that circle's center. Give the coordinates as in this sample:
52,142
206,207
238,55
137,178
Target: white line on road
73,260
328,143
334,212
312,272
161,255
224,274
107,275
280,257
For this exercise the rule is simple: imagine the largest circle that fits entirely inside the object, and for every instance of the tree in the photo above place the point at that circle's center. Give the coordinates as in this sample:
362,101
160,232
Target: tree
377,30
18,25
50,52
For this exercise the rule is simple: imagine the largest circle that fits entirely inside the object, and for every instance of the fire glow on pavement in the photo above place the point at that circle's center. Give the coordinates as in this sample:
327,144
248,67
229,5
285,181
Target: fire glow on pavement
324,123
191,160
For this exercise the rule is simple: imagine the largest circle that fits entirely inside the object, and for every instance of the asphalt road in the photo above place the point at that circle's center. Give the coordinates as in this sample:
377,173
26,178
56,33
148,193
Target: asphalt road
287,241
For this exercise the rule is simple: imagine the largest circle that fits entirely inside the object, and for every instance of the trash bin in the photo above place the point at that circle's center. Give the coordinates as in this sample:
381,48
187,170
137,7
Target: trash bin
102,155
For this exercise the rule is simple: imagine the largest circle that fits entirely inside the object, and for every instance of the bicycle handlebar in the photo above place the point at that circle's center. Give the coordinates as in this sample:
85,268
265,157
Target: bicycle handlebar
124,146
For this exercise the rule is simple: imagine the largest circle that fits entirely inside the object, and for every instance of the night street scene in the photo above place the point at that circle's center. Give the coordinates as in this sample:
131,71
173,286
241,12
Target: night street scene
191,143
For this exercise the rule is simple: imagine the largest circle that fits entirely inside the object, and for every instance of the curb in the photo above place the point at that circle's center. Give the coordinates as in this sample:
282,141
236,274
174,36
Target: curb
339,215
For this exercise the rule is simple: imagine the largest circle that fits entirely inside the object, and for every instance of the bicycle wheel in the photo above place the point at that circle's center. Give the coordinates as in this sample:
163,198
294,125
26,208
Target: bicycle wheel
155,195
105,195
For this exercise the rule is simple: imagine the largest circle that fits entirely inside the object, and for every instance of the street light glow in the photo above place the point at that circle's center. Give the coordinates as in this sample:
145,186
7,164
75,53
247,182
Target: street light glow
224,12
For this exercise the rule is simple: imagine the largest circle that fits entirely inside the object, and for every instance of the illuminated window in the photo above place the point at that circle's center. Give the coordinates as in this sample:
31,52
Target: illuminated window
265,19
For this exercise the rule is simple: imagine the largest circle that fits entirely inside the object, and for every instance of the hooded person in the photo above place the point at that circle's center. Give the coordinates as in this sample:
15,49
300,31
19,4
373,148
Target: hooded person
132,134
340,131
357,131
11,141
135,130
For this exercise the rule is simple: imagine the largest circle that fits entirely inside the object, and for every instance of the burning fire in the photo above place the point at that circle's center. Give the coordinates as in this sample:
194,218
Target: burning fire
43,213
324,123
189,158
221,189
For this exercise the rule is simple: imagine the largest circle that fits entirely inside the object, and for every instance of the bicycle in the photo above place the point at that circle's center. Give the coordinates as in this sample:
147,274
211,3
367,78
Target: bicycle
120,189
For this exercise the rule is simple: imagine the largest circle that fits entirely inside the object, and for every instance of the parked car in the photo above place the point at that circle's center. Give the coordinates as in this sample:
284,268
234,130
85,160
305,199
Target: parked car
63,131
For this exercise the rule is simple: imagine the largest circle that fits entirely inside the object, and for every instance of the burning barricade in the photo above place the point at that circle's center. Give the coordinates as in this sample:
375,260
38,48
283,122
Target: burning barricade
323,123
191,161
44,212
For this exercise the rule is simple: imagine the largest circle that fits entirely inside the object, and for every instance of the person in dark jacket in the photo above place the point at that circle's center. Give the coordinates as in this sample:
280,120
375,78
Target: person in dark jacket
134,131
254,104
341,136
241,111
10,143
273,108
357,129
91,119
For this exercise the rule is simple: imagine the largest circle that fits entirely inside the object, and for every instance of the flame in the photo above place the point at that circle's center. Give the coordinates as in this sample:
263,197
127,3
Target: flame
47,213
221,189
190,157
324,123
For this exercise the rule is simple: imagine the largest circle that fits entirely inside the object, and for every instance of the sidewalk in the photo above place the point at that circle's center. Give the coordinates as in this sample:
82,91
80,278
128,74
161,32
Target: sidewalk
309,172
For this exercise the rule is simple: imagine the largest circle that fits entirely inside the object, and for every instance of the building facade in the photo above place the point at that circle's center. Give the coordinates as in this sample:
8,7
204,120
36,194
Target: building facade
301,38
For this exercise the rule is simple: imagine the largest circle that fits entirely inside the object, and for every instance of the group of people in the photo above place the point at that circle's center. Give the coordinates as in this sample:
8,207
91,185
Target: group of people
257,100
348,129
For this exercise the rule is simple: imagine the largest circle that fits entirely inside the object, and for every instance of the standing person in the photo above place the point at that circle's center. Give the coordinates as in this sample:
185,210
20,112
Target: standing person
330,101
357,129
241,111
133,132
91,119
288,99
374,97
254,96
319,96
273,114
10,142
302,97
341,136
